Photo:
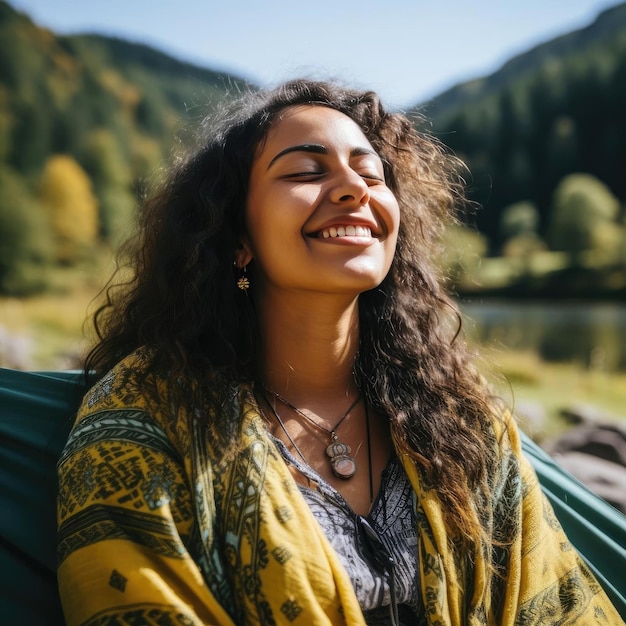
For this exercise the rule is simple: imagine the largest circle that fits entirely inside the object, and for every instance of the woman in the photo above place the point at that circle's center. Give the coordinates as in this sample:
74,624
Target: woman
285,426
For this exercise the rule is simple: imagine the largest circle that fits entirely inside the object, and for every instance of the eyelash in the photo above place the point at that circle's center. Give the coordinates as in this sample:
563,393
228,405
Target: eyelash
301,174
305,174
373,177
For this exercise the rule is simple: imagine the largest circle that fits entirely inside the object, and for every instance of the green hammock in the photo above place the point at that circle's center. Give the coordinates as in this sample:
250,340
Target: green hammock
36,414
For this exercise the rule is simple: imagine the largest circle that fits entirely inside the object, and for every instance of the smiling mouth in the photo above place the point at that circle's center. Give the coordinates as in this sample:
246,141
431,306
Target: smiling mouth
345,231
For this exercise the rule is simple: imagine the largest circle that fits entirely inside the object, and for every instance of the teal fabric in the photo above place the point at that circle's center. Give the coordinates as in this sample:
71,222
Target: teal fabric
36,414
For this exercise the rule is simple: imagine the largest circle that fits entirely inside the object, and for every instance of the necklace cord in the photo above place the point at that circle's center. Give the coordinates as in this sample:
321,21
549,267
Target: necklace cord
342,464
382,558
331,432
387,560
284,429
369,453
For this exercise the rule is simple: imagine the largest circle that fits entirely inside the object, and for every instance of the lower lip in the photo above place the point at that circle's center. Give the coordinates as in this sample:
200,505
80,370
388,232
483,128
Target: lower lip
348,241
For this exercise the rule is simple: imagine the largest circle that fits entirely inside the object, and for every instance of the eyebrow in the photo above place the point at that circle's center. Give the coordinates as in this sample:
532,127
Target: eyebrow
316,148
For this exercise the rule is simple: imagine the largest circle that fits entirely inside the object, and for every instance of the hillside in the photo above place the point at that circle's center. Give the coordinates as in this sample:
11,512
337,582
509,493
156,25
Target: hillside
56,89
557,109
84,112
608,25
86,120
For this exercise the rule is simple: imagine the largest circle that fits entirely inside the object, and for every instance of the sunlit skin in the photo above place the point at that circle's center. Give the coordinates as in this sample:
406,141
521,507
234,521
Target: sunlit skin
315,176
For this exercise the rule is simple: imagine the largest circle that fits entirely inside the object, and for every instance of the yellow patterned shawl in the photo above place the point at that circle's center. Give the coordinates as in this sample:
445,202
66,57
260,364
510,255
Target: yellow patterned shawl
158,526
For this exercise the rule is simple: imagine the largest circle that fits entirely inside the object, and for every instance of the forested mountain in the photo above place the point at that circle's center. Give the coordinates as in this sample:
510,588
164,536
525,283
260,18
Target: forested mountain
557,109
56,90
84,120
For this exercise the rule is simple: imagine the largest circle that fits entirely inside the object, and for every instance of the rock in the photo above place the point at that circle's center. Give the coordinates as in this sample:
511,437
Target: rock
604,478
583,414
606,441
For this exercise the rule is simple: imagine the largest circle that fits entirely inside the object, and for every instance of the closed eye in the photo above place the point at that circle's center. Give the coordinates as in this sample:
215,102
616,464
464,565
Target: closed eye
302,174
365,175
375,177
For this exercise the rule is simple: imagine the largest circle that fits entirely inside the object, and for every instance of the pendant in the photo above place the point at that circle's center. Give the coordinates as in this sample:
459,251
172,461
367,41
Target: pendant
342,464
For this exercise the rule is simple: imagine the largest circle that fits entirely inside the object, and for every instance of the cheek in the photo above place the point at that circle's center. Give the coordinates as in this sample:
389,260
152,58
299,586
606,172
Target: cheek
393,217
258,224
394,229
282,213
269,237
396,219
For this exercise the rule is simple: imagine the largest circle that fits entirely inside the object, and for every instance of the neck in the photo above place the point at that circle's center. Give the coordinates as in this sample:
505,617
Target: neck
309,346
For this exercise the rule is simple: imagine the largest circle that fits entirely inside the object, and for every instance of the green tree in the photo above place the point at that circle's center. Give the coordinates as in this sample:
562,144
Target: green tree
109,170
518,229
6,124
462,253
518,219
583,219
25,241
31,136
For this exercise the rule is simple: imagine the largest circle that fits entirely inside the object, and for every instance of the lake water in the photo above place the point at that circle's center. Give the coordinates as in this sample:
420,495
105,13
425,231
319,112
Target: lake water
593,334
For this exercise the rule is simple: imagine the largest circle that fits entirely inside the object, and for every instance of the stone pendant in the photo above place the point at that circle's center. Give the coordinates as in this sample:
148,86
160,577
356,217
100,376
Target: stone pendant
342,464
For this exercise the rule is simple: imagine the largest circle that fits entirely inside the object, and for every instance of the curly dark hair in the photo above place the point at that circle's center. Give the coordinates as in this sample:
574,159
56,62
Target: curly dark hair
180,296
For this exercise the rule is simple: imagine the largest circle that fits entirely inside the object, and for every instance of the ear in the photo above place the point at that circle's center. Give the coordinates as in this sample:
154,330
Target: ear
243,254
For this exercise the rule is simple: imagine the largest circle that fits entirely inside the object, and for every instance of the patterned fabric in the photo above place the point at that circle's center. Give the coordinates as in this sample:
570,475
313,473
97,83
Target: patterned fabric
393,517
159,525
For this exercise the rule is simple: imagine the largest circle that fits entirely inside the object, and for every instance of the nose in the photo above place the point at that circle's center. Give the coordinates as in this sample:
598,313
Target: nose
350,187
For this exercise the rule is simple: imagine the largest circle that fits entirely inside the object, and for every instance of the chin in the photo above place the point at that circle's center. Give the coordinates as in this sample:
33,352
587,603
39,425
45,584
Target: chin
359,284
367,276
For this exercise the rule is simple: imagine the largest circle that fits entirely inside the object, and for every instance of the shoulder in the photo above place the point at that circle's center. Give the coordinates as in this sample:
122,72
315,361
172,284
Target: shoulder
134,385
121,386
132,391
138,381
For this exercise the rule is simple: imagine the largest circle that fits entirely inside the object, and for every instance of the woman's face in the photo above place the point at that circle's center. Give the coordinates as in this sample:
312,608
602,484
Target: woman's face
319,215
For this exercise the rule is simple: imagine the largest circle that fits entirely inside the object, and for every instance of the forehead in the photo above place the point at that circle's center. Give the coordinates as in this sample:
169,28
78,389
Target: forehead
319,124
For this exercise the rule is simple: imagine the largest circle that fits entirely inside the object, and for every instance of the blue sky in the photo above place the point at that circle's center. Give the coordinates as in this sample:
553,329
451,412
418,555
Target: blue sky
407,50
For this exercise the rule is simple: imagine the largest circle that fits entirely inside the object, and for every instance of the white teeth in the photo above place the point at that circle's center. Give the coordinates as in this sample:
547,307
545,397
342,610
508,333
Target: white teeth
346,231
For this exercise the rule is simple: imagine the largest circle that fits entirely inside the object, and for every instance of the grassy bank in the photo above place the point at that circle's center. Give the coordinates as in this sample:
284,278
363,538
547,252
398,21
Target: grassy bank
539,391
46,332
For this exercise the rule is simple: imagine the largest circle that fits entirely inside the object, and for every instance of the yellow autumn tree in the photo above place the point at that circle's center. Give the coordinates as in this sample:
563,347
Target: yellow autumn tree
67,195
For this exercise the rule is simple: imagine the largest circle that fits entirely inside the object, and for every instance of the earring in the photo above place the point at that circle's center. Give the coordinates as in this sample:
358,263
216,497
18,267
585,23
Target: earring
242,282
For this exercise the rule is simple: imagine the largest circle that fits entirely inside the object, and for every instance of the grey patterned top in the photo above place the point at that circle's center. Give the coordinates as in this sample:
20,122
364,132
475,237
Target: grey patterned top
392,516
